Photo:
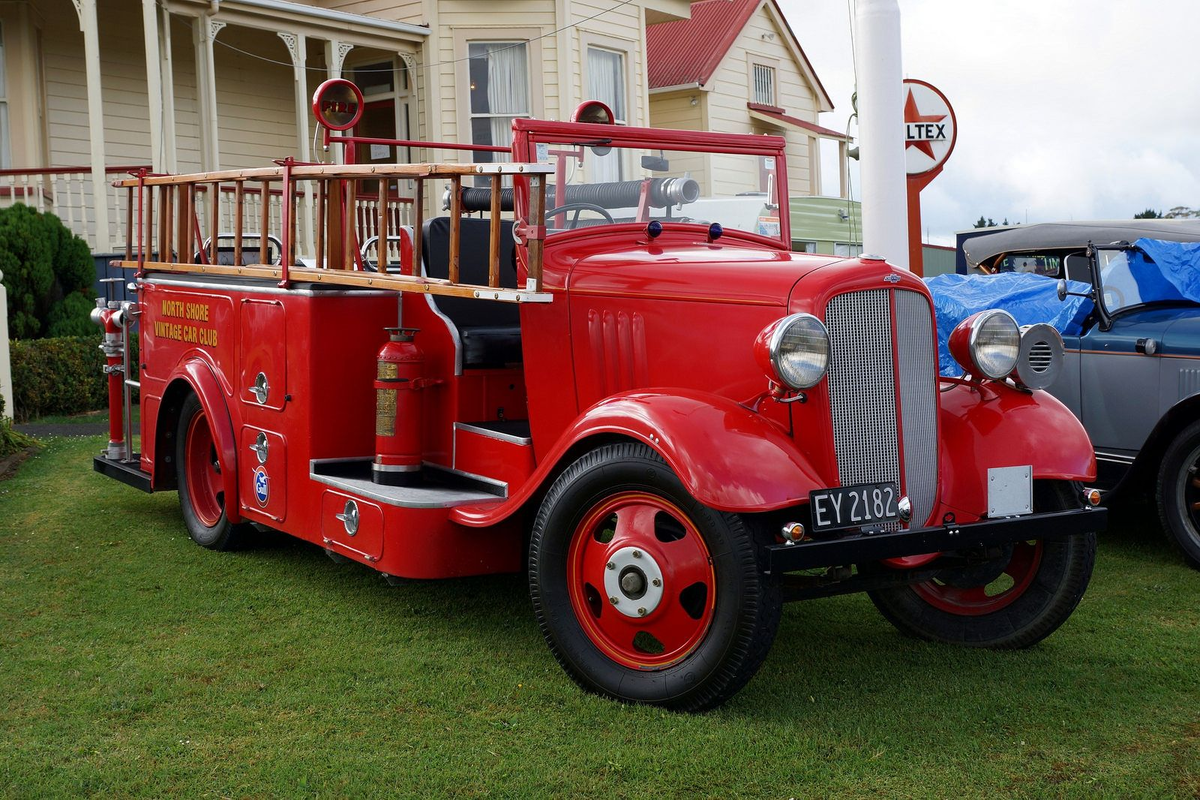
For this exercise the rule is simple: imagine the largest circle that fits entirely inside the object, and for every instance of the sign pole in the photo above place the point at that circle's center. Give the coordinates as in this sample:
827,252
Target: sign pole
930,132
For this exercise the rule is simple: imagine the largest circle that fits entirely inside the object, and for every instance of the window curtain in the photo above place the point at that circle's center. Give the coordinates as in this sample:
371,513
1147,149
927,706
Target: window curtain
507,89
606,83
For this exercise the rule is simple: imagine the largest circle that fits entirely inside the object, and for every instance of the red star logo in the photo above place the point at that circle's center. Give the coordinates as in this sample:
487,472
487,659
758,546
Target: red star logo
911,114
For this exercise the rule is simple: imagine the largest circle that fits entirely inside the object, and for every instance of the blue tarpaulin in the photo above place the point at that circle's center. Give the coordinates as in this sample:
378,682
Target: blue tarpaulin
1161,263
1029,298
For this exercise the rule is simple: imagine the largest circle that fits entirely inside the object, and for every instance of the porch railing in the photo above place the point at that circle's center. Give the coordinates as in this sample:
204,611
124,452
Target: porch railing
66,192
251,222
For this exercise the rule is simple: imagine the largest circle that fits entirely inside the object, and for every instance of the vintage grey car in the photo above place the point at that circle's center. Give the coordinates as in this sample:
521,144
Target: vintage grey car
1132,374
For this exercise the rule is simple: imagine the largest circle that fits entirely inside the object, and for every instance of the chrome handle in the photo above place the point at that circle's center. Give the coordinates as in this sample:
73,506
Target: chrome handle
261,389
260,448
349,518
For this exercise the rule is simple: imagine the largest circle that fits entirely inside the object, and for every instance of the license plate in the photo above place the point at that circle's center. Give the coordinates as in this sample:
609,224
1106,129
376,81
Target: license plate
854,506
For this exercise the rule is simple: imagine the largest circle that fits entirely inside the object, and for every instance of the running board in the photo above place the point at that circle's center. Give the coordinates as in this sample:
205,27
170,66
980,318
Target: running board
440,487
124,471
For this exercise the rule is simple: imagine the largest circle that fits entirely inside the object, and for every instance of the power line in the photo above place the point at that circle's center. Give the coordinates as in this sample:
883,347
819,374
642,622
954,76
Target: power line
407,68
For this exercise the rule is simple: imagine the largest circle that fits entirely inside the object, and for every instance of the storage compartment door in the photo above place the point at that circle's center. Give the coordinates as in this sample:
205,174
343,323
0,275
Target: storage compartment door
262,456
264,354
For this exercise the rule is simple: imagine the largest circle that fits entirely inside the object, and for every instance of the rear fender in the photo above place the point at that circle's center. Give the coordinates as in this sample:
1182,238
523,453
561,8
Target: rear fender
995,425
197,376
729,457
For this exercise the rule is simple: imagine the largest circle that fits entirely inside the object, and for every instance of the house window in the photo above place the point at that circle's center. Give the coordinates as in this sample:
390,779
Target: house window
764,85
846,250
804,246
5,140
606,83
499,75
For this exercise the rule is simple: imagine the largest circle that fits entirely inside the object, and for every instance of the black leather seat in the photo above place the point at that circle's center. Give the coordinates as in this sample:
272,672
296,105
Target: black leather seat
490,331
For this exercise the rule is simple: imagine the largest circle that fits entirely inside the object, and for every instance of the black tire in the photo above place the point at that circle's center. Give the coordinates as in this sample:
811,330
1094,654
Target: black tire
742,612
201,500
1058,573
1178,489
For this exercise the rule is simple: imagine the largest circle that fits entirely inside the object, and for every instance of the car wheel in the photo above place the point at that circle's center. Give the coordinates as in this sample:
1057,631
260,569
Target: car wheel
1179,493
643,593
1010,602
201,485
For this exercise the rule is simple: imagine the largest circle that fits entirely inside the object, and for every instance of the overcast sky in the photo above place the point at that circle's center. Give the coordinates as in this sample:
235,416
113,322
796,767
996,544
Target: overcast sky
1066,109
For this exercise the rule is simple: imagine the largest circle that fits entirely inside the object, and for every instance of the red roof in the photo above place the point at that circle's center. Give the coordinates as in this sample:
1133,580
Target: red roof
687,51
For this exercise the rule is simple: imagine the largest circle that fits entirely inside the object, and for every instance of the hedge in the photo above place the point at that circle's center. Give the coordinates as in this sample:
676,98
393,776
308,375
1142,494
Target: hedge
57,376
48,272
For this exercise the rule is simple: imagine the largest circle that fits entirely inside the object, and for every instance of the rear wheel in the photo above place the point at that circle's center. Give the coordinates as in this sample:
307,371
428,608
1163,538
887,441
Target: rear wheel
1179,493
643,593
1013,601
201,484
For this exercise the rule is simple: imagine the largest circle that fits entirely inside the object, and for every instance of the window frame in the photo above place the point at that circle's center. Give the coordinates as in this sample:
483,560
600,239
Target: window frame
754,63
463,39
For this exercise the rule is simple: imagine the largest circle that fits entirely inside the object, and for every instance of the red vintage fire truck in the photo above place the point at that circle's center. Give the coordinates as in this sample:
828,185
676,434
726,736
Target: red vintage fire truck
555,358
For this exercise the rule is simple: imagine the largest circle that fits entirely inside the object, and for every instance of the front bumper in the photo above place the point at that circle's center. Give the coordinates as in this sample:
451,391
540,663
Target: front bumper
861,548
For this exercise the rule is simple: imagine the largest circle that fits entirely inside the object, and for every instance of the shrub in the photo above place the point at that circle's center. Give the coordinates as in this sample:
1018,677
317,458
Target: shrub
57,376
48,272
10,440
64,375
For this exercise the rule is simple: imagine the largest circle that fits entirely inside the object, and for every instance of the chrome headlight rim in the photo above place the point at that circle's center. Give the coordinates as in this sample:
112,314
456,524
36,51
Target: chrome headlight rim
977,326
775,344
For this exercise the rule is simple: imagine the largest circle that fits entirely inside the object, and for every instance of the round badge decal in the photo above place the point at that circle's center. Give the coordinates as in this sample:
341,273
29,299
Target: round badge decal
262,486
337,104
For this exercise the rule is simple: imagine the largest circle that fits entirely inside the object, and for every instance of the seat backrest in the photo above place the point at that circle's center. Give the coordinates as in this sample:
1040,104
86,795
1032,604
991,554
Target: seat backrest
474,238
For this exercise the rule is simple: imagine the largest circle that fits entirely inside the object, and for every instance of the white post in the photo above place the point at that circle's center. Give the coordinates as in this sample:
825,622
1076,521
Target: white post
167,62
95,102
154,83
206,31
6,387
881,130
335,54
296,47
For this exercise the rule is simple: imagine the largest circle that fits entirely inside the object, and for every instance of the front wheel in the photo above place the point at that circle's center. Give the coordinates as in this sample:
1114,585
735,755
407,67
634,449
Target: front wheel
1179,493
1011,602
643,593
201,485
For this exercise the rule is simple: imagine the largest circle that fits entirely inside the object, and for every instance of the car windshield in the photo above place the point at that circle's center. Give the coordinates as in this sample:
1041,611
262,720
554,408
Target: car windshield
1127,279
610,185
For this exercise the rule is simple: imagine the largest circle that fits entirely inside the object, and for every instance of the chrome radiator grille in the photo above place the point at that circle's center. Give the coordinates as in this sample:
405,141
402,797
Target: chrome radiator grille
864,379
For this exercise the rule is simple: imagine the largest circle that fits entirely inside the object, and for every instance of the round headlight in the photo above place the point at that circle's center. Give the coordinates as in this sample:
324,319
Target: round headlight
796,350
987,344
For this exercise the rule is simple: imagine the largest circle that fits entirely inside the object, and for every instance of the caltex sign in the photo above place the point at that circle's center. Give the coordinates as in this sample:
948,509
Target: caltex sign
929,128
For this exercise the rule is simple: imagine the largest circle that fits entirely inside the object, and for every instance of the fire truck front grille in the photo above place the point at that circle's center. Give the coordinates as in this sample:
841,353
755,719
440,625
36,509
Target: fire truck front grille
873,395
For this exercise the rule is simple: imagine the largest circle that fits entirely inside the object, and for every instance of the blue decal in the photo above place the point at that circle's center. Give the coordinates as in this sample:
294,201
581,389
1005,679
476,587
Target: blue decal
261,488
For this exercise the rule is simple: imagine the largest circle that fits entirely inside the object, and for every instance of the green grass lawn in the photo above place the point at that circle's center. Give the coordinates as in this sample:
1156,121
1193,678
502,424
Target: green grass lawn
135,663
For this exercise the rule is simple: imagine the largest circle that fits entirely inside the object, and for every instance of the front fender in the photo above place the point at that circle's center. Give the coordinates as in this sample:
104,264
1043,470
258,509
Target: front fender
729,457
200,377
994,425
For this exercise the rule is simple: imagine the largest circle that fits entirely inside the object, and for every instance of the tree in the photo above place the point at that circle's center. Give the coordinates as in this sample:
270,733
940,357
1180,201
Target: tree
986,223
1182,212
48,272
1149,213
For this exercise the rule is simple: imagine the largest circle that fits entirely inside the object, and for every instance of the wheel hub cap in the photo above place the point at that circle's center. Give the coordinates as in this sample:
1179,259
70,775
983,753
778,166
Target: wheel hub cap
635,581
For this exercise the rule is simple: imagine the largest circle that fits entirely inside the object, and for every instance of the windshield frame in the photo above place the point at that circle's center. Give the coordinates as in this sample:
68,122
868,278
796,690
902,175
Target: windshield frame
529,133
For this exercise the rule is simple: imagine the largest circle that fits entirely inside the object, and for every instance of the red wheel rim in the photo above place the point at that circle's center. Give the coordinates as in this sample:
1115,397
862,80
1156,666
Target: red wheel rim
645,538
990,597
204,485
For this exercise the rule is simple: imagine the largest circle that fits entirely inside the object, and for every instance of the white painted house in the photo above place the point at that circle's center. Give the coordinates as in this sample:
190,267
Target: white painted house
90,89
736,66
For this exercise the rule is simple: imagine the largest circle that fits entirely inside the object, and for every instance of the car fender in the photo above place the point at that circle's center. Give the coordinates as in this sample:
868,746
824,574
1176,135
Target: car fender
199,376
727,456
987,425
